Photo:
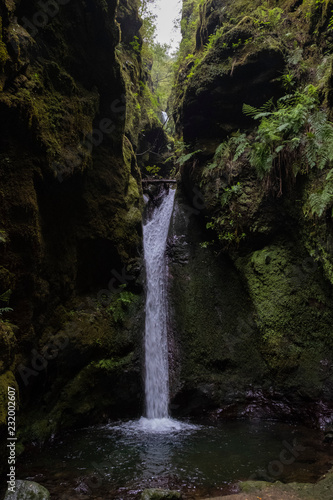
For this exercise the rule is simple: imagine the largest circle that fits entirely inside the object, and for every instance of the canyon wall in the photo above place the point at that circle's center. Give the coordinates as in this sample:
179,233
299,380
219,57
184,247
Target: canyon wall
71,80
251,256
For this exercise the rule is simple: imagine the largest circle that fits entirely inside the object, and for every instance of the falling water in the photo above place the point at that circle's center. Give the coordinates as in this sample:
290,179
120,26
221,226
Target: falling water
165,118
155,233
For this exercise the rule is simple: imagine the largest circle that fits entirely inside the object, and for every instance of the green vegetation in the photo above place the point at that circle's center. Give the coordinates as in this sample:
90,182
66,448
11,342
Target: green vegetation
229,230
162,74
226,153
186,157
136,46
293,137
156,58
4,56
120,304
5,297
189,25
295,134
153,170
320,201
113,364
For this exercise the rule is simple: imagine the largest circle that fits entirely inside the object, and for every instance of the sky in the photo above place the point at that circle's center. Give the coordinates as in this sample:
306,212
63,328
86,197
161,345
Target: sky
167,11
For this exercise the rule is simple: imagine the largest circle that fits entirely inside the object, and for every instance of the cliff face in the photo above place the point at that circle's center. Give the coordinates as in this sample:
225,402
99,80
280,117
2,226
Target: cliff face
71,206
262,218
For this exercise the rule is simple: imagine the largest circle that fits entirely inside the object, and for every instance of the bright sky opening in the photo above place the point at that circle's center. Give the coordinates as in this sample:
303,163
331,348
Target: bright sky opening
167,11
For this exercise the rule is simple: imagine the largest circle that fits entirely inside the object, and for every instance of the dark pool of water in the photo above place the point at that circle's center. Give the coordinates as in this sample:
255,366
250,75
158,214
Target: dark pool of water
119,461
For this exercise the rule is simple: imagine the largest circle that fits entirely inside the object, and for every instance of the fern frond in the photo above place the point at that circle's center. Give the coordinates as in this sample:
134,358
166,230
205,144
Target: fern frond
249,110
261,158
268,106
320,202
242,143
5,296
220,150
329,176
262,114
5,310
184,158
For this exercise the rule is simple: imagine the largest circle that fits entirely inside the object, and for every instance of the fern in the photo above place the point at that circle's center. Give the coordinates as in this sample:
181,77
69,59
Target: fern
252,111
249,110
119,305
221,150
239,142
5,310
228,151
295,125
322,200
184,158
229,192
261,158
5,297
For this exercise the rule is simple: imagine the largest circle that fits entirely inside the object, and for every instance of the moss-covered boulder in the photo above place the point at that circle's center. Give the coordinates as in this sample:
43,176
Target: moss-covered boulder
319,491
27,490
159,494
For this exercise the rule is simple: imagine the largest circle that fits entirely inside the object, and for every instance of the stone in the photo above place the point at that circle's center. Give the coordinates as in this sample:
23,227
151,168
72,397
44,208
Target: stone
157,494
28,490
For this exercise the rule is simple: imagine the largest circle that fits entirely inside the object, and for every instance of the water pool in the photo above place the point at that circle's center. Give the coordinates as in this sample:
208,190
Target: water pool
119,460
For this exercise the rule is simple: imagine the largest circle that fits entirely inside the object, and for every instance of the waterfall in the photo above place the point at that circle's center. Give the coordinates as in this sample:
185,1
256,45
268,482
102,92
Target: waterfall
155,233
165,118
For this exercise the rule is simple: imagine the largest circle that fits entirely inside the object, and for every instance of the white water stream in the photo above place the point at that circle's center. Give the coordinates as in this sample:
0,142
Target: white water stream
157,420
155,233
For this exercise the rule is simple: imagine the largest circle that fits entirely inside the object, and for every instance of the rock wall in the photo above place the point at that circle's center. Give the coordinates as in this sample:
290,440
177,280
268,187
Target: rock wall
70,210
258,255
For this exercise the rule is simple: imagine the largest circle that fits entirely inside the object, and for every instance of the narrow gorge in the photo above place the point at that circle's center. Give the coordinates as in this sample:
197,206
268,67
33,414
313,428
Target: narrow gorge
105,132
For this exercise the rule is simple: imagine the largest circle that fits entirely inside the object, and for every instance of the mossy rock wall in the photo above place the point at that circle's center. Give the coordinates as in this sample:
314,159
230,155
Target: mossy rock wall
251,331
267,240
71,211
215,339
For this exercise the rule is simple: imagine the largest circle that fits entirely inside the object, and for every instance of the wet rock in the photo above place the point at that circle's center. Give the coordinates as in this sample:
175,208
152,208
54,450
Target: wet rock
319,491
28,490
328,435
157,494
211,343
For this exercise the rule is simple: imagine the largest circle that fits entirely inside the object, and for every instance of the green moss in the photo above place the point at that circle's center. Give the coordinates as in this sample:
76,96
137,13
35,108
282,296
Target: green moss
8,345
159,494
216,349
6,380
7,279
250,486
40,430
113,364
55,104
319,491
292,310
4,56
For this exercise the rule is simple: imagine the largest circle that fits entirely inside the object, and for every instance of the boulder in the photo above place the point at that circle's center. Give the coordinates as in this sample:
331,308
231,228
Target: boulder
28,490
157,494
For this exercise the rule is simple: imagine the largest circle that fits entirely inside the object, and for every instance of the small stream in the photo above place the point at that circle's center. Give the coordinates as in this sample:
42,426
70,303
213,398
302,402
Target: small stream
119,460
